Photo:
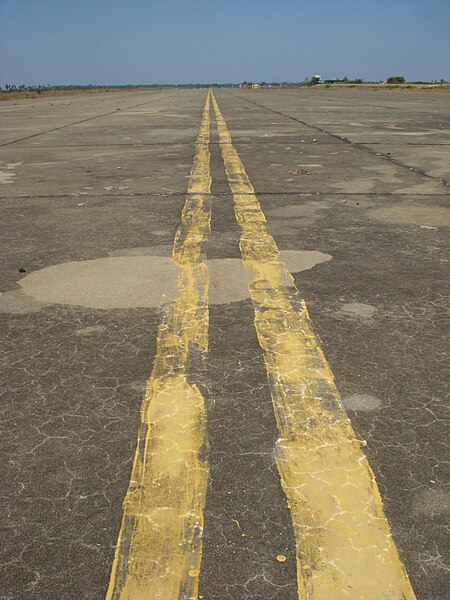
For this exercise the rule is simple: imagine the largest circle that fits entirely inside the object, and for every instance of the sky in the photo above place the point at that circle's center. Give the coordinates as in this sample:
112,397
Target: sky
108,42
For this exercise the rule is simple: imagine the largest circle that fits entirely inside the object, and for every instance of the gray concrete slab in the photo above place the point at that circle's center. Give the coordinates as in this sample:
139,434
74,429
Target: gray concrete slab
365,235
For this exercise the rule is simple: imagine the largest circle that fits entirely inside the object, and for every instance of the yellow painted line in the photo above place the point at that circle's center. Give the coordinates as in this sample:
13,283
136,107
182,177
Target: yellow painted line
344,546
159,548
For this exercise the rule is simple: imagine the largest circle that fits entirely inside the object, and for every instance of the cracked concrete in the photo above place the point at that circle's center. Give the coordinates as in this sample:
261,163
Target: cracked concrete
75,376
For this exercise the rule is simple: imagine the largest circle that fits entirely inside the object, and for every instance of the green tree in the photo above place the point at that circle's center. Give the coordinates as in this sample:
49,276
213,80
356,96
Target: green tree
315,79
396,79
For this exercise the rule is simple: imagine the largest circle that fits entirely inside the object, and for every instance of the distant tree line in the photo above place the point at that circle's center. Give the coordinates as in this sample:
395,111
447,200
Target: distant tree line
308,81
394,80
58,88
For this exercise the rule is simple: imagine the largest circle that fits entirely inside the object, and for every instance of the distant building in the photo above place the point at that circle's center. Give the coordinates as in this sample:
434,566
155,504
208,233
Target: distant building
246,84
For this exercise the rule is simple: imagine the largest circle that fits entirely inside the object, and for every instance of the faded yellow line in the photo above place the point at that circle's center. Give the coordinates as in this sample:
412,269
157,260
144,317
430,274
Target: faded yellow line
159,547
344,546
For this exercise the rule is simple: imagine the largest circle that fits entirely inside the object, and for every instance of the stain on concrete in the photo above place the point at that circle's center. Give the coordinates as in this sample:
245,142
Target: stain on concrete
305,213
384,172
432,502
139,385
138,278
361,402
298,260
115,282
16,302
358,310
357,185
374,176
228,281
408,213
161,232
424,187
7,174
92,330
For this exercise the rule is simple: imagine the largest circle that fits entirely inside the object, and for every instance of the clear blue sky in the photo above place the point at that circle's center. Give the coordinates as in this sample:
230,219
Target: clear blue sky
181,41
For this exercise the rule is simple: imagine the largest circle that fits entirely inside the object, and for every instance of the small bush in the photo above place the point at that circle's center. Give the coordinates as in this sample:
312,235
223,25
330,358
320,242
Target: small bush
396,79
314,80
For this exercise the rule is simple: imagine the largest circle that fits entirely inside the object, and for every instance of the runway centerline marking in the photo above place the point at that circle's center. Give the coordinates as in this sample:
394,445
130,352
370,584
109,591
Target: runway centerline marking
159,547
344,544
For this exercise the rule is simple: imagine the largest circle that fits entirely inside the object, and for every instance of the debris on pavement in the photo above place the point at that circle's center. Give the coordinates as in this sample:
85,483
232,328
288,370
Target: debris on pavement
429,227
110,188
299,172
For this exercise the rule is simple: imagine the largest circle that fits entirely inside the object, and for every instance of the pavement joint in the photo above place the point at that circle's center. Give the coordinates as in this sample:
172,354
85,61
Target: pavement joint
221,194
346,140
109,113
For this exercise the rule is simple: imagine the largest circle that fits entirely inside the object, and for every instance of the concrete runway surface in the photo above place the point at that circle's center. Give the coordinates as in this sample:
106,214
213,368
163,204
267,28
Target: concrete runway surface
223,322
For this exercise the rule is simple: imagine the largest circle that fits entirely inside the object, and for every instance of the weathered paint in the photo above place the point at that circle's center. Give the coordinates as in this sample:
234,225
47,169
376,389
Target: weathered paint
344,545
158,553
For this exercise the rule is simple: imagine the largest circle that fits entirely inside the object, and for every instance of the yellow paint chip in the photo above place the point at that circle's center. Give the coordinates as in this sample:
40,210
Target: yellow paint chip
281,558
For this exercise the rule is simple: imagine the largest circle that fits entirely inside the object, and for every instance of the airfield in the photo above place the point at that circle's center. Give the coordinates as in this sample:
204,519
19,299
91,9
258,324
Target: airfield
197,292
